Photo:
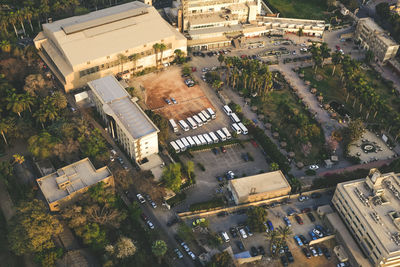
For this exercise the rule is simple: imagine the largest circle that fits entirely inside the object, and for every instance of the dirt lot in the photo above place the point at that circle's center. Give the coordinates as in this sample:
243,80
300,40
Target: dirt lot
169,83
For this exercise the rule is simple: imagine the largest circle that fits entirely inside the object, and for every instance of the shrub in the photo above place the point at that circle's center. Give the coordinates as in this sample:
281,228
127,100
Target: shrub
310,172
213,203
178,198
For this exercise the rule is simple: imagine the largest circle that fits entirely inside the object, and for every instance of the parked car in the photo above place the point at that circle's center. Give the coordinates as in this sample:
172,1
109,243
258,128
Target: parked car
245,157
273,249
318,233
313,251
319,251
230,175
233,232
240,246
312,235
289,256
243,233
185,247
261,250
270,225
150,224
316,195
298,240
298,219
311,217
174,100
223,149
178,253
219,178
343,264
303,239
167,101
284,261
153,204
254,143
191,254
326,253
144,217
313,167
302,198
215,151
307,253
305,210
141,198
291,212
287,221
253,251
249,232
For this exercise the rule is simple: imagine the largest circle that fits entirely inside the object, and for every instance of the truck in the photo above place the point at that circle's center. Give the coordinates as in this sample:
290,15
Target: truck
243,128
181,145
191,141
185,142
202,139
236,128
196,140
227,110
235,118
201,116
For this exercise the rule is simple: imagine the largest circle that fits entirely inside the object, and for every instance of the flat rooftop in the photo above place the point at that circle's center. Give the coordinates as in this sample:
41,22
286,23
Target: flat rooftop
76,176
376,208
370,23
118,104
260,183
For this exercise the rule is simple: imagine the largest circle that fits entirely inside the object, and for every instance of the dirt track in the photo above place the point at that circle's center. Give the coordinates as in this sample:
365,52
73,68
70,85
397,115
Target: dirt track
167,84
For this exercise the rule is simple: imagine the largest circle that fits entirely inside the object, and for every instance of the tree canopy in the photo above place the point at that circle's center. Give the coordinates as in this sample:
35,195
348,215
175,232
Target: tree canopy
256,217
172,176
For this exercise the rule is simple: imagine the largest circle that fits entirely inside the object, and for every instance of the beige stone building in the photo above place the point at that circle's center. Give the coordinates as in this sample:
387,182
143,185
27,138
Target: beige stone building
370,208
374,38
259,187
125,120
62,187
114,40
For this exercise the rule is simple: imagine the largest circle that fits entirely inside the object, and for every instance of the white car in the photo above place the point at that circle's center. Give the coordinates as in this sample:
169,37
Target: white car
313,167
153,204
313,251
178,253
205,70
243,233
302,198
191,254
185,247
318,233
141,198
303,44
150,224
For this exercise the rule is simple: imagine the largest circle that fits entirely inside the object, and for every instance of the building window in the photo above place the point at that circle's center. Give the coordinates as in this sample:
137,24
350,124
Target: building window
88,62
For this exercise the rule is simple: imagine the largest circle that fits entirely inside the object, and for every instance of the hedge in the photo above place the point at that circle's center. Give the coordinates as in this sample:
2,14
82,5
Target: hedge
269,147
178,198
330,180
213,203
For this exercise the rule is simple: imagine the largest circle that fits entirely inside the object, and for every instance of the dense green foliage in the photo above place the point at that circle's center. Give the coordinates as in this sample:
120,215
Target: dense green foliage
172,176
221,260
256,218
161,123
211,204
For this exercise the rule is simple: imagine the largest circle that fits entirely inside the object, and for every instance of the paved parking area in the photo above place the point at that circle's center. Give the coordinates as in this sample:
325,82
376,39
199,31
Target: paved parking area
206,182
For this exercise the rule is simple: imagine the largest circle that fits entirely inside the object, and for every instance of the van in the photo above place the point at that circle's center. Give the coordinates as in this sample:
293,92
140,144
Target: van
243,128
192,123
227,110
227,133
236,128
225,236
184,125
212,113
206,115
235,118
198,120
173,125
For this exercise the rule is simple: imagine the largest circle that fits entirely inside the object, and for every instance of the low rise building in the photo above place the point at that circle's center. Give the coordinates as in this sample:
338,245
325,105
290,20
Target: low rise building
370,208
259,187
115,40
125,120
62,187
374,38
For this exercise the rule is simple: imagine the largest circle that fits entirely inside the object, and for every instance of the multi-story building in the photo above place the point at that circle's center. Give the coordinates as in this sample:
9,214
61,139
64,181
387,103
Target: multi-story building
374,38
370,208
125,120
114,40
66,184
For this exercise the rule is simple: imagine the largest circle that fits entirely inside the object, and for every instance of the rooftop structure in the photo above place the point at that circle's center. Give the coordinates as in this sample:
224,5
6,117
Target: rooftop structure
62,186
126,120
370,207
258,187
82,47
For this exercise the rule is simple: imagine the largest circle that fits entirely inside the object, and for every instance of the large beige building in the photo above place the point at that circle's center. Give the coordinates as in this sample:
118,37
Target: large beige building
125,120
258,187
374,38
114,40
66,184
370,208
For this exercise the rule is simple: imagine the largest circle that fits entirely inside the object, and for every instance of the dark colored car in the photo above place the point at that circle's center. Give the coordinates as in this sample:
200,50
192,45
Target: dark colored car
223,149
270,225
219,178
291,212
326,253
240,246
298,219
144,217
307,253
233,232
316,195
253,251
289,256
303,239
245,157
172,222
261,250
284,261
215,151
311,217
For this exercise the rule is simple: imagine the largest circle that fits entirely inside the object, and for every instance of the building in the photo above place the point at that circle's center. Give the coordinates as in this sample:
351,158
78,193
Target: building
395,8
125,120
114,40
62,187
374,38
370,208
258,187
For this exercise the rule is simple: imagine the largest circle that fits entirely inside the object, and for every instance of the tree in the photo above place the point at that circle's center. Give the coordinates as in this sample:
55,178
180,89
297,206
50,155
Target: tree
336,60
122,59
190,168
124,248
284,232
14,103
134,58
32,229
6,125
4,22
274,166
172,177
256,218
35,83
221,260
383,10
355,129
162,48
5,46
29,13
300,33
93,145
179,55
21,17
42,145
221,59
159,248
92,235
156,47
325,51
369,56
19,159
12,18
161,123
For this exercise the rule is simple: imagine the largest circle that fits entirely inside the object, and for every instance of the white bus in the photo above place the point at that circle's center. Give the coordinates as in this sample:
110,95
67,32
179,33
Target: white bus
221,135
235,118
227,133
243,128
212,113
206,115
196,140
175,147
213,137
227,110
173,125
201,116
198,120
184,125
208,139
180,144
202,140
192,123
185,142
236,128
191,141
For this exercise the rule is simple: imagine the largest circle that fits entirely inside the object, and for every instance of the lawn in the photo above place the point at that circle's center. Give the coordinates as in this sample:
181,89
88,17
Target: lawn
292,125
300,9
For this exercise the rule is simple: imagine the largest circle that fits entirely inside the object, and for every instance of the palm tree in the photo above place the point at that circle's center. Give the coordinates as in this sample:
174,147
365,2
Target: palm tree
156,47
159,248
300,33
122,58
284,232
325,52
40,116
28,15
178,54
12,18
14,103
27,101
336,59
5,46
221,59
34,83
59,100
4,22
134,58
6,125
162,47
21,18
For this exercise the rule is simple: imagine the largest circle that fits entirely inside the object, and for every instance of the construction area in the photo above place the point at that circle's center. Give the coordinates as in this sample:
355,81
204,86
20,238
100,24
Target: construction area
166,84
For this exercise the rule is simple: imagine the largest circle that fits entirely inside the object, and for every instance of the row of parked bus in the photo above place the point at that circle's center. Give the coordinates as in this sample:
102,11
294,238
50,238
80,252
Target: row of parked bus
237,126
184,143
203,117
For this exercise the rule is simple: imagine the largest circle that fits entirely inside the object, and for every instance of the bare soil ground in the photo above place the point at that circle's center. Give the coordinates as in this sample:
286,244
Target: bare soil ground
169,83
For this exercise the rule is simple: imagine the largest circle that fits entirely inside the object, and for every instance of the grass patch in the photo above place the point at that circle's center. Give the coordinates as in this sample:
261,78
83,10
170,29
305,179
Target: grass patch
211,204
300,9
178,198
